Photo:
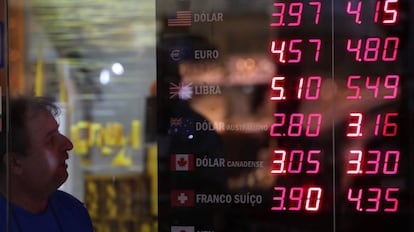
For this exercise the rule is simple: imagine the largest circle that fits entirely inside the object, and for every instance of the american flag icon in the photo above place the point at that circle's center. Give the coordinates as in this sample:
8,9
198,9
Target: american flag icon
183,19
180,90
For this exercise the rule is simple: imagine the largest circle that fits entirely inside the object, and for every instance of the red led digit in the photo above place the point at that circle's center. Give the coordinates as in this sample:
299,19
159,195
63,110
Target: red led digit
278,161
277,86
371,49
295,10
392,200
295,125
390,12
295,161
377,125
374,86
318,10
354,166
315,94
357,49
377,8
279,49
318,48
313,125
277,124
279,15
355,125
390,128
395,155
356,199
300,87
353,87
280,199
296,195
298,52
313,199
375,199
356,11
394,41
392,82
373,164
312,160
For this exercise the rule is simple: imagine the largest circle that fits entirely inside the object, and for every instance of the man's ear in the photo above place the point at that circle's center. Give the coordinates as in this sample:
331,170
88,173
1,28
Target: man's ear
13,161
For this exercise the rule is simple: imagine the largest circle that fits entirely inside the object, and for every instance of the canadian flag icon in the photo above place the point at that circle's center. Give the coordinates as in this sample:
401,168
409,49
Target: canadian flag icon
182,162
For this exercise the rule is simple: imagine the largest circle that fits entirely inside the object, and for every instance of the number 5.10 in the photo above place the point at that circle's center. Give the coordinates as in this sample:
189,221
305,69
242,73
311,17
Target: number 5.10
306,88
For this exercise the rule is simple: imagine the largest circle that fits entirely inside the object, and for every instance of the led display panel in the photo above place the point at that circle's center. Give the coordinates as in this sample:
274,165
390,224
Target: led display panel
285,115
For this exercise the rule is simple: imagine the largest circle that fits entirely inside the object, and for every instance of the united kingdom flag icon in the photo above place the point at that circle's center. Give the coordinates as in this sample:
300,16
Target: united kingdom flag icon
181,90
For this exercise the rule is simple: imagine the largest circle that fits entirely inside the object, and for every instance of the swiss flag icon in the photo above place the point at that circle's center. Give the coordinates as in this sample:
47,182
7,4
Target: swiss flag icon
182,198
182,228
182,162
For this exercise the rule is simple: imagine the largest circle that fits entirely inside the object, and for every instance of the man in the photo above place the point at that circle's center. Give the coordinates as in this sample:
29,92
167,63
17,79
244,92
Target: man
33,154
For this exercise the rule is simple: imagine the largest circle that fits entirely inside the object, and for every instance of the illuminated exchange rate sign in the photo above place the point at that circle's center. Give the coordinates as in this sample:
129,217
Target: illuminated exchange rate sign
339,149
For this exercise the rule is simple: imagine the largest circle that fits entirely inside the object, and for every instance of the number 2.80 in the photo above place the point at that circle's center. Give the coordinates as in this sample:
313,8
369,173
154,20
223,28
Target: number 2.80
296,125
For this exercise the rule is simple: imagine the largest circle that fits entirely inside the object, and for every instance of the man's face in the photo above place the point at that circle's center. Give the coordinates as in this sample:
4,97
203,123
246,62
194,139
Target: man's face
44,166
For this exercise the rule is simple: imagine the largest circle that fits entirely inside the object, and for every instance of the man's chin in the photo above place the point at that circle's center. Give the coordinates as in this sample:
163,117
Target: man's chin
62,179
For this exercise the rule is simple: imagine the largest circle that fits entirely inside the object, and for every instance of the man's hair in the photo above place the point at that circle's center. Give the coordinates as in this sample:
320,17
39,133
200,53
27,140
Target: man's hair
13,135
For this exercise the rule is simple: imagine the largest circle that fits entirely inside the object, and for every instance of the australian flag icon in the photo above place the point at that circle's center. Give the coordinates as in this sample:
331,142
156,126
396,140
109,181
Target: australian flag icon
182,126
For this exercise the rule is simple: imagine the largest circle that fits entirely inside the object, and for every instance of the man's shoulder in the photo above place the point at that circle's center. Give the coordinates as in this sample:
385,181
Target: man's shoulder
65,199
72,210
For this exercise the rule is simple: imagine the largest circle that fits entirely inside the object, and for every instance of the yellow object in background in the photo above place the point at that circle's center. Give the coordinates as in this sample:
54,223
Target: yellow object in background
79,137
86,135
93,133
153,175
63,95
135,134
123,202
121,159
106,151
110,201
39,79
145,227
92,198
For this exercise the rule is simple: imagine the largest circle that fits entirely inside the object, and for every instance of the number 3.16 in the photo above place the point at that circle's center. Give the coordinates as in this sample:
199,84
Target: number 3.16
356,120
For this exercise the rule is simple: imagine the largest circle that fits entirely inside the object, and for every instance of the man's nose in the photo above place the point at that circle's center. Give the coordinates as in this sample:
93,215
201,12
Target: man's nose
67,143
